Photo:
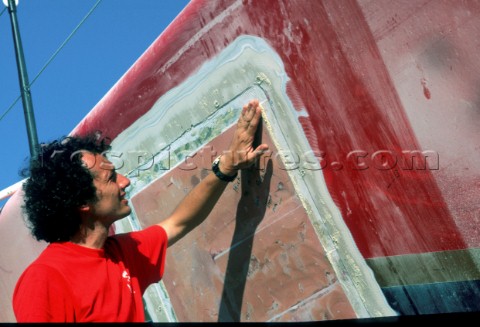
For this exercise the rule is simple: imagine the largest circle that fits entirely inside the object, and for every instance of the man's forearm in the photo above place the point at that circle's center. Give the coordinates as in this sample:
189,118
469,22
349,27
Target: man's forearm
194,208
198,204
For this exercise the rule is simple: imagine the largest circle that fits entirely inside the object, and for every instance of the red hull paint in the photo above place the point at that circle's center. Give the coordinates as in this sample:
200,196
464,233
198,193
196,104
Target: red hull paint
339,76
364,76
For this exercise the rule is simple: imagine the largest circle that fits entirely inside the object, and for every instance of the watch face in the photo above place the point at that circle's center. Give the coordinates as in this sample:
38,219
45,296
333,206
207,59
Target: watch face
216,161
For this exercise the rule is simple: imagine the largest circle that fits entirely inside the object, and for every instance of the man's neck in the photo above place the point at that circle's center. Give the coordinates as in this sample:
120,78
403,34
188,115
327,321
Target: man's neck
91,236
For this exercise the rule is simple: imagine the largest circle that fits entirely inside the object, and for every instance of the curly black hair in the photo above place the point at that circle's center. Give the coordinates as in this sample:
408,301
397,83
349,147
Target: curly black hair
58,184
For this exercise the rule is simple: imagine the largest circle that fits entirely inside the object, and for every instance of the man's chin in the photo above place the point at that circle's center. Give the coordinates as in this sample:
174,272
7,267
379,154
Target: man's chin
127,212
124,213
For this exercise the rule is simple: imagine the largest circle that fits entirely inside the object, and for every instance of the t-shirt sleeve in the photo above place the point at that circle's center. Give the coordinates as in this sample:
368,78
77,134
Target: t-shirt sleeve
42,295
144,253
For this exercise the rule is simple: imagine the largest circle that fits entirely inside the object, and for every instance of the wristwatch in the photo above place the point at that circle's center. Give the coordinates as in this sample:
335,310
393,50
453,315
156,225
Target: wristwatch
219,174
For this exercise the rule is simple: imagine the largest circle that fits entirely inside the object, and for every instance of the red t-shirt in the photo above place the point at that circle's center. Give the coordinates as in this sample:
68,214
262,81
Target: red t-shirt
72,283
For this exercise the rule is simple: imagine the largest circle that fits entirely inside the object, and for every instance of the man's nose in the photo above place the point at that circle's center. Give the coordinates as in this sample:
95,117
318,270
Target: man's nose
123,181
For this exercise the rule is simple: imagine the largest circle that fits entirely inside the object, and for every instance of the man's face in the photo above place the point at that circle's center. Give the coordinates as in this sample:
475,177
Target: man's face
111,204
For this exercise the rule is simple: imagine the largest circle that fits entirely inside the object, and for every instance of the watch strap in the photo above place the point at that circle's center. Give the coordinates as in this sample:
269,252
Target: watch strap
219,174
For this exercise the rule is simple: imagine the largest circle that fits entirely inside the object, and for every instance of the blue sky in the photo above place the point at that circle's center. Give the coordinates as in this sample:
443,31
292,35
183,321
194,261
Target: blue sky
104,47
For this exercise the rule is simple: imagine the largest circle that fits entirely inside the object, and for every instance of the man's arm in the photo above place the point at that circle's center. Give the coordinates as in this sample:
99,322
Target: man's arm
198,204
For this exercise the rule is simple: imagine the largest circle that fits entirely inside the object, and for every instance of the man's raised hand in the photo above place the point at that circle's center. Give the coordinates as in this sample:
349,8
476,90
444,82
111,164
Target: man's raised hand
241,153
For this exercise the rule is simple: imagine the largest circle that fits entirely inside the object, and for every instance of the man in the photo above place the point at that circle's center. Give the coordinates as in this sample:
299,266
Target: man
73,196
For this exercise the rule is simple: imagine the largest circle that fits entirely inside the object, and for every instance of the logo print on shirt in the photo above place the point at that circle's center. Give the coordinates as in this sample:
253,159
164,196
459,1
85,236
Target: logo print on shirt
126,275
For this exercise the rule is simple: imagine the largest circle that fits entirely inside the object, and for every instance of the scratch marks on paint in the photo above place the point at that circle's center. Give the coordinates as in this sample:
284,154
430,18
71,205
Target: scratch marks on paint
306,300
195,39
344,195
426,90
423,82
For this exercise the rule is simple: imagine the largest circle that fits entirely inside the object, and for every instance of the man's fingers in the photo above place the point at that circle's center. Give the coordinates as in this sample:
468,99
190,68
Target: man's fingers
241,146
243,121
255,119
253,114
262,148
249,112
258,152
